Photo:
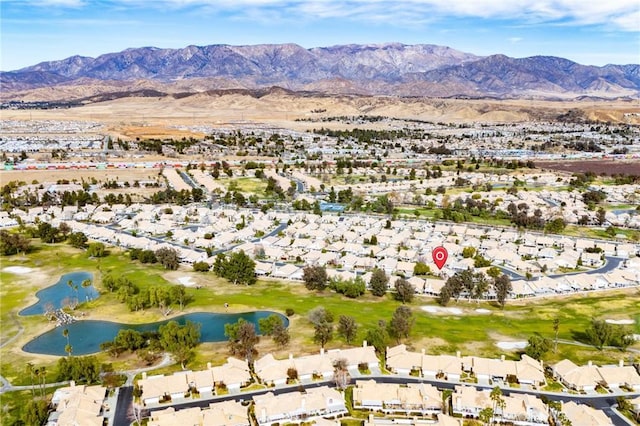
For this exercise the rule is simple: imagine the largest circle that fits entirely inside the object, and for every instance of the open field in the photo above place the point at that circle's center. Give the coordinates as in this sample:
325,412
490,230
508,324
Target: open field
165,117
471,332
42,176
599,167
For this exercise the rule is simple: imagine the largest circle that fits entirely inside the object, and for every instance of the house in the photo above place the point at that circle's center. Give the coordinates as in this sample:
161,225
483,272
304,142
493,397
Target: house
365,355
401,361
271,371
78,405
523,409
294,407
583,378
486,369
157,388
468,402
615,376
530,371
583,415
445,367
287,271
395,398
234,374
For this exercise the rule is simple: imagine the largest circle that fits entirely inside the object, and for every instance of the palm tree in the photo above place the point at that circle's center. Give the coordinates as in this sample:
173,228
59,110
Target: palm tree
42,375
68,348
85,284
73,287
498,401
31,371
556,328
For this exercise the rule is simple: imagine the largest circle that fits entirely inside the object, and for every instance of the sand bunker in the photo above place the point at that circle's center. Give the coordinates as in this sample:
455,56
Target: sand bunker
20,270
439,310
186,281
620,322
511,345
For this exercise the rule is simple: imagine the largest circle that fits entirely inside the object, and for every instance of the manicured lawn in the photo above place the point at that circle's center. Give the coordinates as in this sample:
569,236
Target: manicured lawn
471,333
248,185
581,231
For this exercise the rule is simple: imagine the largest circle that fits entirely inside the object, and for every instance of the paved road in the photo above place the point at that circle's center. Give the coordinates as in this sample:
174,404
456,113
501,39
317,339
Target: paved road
187,178
124,408
598,401
611,263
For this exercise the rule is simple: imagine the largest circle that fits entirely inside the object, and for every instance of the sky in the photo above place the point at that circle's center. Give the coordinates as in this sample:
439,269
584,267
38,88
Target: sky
591,32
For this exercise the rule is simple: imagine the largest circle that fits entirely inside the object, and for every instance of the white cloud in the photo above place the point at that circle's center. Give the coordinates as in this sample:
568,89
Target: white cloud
621,14
514,40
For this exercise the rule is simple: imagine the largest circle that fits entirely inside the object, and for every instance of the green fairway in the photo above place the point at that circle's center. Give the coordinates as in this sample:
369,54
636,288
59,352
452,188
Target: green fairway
470,332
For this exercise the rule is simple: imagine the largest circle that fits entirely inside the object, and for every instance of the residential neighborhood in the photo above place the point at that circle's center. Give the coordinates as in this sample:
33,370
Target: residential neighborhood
359,206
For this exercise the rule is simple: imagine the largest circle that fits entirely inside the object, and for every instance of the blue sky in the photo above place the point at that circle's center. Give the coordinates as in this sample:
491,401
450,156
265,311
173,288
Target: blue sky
594,32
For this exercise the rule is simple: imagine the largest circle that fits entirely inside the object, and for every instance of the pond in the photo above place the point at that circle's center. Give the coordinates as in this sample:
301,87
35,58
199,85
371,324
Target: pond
58,294
86,336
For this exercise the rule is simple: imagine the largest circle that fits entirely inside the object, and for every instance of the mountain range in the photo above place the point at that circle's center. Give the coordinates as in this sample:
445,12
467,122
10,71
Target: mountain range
391,69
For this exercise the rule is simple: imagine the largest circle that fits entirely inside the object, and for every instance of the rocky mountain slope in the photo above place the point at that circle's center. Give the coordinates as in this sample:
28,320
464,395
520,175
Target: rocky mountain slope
387,69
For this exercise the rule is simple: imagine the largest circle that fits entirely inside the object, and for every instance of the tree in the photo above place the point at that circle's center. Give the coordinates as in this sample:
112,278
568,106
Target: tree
378,337
168,257
556,329
379,282
78,240
601,216
401,323
64,229
323,333
503,287
267,325
494,272
236,267
599,333
96,250
498,400
341,373
30,368
468,252
404,291
35,412
555,226
351,288
47,232
201,266
319,314
315,277
129,340
178,293
242,339
347,328
68,349
486,415
12,243
537,346
41,374
292,374
280,335
421,268
179,340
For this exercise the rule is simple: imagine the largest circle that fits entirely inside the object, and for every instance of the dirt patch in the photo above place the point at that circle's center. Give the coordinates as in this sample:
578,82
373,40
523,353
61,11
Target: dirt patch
599,167
53,176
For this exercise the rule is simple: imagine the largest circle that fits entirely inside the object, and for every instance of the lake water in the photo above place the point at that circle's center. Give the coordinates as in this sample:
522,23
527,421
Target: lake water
60,291
86,336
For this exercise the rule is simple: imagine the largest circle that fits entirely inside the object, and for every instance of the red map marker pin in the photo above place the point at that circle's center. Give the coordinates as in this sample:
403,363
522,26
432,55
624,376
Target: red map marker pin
440,256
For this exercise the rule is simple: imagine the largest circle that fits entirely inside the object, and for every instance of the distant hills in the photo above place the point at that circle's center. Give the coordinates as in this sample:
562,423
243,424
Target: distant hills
387,69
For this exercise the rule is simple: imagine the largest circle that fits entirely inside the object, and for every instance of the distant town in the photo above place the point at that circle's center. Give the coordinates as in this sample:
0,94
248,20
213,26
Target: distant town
316,249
